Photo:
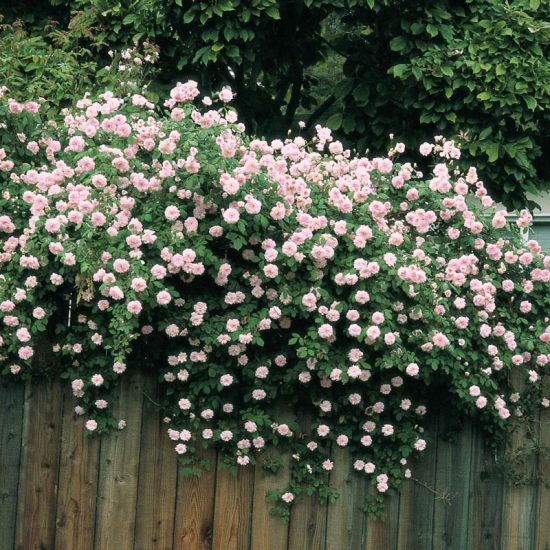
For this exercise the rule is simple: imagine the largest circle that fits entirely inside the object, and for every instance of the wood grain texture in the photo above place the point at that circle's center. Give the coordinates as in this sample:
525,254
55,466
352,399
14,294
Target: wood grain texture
542,528
308,524
139,499
268,531
233,509
12,396
382,533
76,498
118,471
158,469
417,500
485,506
452,483
40,465
345,519
519,502
194,517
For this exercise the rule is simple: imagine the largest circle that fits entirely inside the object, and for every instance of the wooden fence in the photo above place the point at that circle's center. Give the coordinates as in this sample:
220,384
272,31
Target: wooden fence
61,490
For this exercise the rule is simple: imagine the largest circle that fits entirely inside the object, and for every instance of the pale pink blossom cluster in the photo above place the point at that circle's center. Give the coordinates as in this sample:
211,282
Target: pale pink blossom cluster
249,272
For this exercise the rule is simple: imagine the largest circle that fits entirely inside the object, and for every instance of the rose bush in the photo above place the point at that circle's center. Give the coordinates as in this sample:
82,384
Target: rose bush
249,274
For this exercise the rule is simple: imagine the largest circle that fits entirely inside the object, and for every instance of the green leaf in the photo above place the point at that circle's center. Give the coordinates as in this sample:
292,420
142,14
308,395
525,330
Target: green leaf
399,70
485,133
492,152
417,73
273,12
343,88
188,17
335,121
361,93
531,102
432,30
348,124
398,44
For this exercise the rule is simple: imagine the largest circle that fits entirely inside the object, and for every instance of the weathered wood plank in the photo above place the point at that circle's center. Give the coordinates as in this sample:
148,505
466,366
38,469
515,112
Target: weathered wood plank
40,465
76,498
158,469
194,518
308,516
308,524
233,509
519,511
118,473
345,518
452,482
485,507
382,533
12,400
268,531
542,529
417,501
519,502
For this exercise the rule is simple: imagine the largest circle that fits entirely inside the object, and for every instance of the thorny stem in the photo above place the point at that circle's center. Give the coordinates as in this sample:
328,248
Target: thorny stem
446,496
160,407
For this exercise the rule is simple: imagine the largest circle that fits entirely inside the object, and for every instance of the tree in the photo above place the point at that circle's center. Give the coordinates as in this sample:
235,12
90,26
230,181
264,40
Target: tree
473,70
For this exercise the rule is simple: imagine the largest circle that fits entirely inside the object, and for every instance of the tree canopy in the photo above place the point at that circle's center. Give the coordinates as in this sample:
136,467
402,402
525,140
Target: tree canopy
475,71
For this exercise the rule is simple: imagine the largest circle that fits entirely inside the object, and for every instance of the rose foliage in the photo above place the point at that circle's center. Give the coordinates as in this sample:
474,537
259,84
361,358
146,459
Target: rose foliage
249,274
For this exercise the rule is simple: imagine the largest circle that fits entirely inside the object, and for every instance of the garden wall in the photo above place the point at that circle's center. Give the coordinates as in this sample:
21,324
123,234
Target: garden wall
62,490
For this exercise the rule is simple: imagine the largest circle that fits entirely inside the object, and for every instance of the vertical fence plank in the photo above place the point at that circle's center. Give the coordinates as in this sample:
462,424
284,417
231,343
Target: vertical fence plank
452,481
233,508
11,430
382,533
519,502
268,532
542,533
157,477
40,464
308,523
485,507
118,471
519,508
76,498
308,517
416,510
345,517
194,518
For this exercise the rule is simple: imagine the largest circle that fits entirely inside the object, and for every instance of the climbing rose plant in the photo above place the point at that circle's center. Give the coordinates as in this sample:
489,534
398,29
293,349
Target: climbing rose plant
285,293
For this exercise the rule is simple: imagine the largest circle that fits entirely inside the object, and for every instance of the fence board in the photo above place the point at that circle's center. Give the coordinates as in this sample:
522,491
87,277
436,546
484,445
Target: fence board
76,499
417,500
519,503
11,431
308,524
233,508
267,530
542,528
345,519
194,517
157,478
485,507
452,481
39,468
382,533
118,473
140,500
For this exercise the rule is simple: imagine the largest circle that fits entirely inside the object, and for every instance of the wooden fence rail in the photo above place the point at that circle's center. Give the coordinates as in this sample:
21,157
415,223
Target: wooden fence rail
60,490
